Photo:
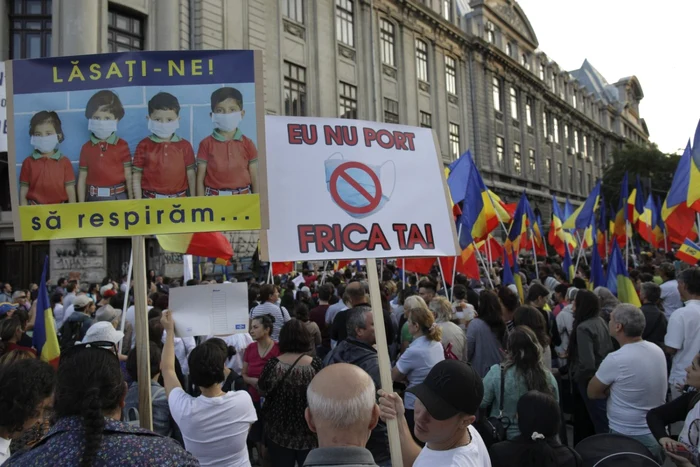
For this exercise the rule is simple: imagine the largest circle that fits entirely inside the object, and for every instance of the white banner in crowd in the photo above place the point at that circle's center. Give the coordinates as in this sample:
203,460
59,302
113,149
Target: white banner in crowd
350,189
3,110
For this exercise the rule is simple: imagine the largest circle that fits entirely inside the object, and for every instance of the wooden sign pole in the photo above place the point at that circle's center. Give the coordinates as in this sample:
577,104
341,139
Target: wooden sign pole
143,359
383,356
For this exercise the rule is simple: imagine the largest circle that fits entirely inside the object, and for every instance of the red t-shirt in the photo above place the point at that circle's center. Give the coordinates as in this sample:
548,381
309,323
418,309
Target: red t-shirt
227,161
256,364
104,161
47,178
12,346
164,164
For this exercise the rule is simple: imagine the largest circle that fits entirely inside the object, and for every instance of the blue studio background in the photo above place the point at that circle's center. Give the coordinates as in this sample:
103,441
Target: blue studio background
195,122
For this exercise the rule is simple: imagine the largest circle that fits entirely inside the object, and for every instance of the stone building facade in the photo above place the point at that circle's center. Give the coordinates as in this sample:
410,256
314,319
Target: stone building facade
471,70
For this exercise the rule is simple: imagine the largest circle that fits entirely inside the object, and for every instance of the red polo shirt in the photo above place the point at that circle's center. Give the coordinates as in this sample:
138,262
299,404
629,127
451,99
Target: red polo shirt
104,161
47,177
227,160
164,164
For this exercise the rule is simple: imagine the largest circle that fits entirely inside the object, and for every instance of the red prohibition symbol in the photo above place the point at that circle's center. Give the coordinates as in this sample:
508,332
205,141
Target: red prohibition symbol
342,171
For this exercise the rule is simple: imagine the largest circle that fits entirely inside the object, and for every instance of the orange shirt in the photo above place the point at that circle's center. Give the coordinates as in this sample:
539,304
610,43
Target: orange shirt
47,177
104,161
227,161
164,164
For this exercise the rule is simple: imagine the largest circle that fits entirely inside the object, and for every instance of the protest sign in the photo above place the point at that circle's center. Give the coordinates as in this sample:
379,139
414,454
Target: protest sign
3,110
136,143
349,189
212,309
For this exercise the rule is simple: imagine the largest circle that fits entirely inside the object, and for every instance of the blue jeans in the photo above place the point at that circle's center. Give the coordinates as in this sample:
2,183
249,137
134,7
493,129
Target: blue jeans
597,410
650,443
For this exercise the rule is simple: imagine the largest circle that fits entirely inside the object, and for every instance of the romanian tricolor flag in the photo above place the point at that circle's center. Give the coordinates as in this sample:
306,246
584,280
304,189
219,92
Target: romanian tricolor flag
622,229
645,222
658,229
602,231
418,265
568,266
619,281
537,235
678,211
689,252
517,235
556,235
635,203
207,244
44,338
479,214
581,218
503,211
496,249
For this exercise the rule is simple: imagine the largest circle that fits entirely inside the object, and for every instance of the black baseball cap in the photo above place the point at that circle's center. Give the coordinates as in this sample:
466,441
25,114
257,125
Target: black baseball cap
450,388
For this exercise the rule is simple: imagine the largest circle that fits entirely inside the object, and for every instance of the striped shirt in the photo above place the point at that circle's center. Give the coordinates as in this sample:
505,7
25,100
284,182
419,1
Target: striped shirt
280,314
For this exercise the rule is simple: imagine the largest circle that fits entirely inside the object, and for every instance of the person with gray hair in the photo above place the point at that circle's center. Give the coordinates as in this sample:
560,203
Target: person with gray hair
670,297
656,322
357,349
633,378
342,412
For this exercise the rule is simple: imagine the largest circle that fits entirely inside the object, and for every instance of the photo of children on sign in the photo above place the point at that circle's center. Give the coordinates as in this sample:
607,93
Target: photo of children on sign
116,160
133,126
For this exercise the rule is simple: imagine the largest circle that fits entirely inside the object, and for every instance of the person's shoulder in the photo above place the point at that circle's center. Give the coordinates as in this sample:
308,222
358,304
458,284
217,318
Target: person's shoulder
145,446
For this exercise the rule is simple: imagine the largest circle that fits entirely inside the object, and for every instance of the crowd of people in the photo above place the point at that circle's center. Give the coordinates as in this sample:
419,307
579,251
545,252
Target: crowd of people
483,375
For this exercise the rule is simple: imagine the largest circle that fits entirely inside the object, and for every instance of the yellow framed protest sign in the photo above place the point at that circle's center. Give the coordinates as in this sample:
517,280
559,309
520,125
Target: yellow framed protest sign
136,144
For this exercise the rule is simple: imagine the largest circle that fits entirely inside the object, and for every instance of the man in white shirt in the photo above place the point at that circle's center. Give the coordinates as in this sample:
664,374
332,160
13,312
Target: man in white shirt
670,297
683,332
71,290
446,404
633,378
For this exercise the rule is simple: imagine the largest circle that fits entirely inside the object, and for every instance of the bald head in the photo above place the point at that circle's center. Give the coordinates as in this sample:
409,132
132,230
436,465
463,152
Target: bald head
341,396
356,293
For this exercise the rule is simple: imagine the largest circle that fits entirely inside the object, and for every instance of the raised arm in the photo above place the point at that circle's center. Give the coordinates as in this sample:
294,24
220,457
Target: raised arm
167,362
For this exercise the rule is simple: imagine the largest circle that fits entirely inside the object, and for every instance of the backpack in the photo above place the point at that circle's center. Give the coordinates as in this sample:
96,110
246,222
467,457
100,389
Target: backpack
69,334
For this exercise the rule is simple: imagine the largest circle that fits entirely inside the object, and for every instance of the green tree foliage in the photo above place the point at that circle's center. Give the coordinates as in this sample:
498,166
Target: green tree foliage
653,166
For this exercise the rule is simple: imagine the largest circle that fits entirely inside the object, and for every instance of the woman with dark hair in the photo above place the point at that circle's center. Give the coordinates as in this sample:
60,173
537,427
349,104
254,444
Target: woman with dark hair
57,307
11,334
254,360
26,389
214,425
531,317
283,382
301,312
90,393
590,343
162,423
537,446
509,303
523,371
486,334
269,296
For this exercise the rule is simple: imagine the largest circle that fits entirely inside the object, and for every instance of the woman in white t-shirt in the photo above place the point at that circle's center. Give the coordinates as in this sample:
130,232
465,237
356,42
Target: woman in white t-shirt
424,352
214,425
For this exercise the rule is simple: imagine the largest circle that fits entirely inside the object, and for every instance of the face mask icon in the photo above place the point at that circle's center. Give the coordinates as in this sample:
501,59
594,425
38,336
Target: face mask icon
359,189
226,122
163,129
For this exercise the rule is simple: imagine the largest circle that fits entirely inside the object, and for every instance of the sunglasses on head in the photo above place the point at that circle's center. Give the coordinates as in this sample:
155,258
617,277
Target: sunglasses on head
104,345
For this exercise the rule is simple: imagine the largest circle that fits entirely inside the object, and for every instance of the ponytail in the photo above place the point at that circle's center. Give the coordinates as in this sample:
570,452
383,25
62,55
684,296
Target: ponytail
539,453
434,332
93,422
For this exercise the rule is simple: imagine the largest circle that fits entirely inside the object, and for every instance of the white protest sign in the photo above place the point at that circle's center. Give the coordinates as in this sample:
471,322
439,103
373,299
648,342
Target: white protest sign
212,309
3,110
350,189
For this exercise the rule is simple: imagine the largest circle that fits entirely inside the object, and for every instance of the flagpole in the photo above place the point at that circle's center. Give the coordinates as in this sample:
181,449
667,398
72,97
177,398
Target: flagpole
627,244
323,278
125,305
270,274
534,253
488,250
403,273
481,259
580,249
442,276
454,264
697,220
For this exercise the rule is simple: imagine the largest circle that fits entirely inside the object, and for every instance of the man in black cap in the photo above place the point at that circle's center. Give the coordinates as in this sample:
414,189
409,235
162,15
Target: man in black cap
446,404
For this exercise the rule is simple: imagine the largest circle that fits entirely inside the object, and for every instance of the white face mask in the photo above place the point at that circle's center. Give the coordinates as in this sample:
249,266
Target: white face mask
226,122
102,129
44,144
163,129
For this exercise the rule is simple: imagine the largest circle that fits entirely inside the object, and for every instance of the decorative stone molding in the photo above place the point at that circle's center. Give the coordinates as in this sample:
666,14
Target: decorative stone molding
294,29
346,51
423,86
453,99
389,71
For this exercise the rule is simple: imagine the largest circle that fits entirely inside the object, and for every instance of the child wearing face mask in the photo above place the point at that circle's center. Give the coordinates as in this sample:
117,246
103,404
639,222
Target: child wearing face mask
163,162
47,175
227,160
105,160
